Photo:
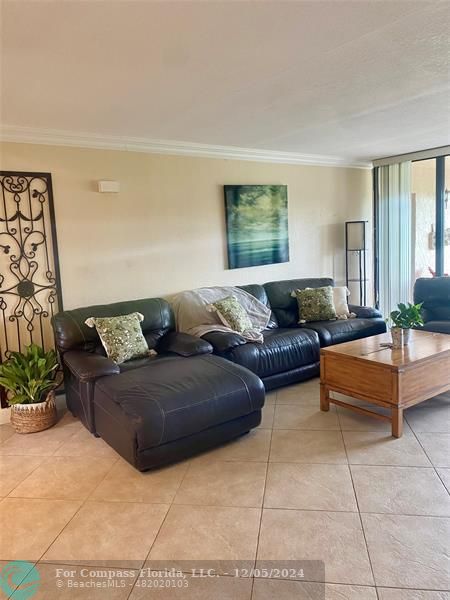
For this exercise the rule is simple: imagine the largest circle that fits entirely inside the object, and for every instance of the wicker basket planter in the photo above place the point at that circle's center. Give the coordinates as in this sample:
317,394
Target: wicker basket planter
29,418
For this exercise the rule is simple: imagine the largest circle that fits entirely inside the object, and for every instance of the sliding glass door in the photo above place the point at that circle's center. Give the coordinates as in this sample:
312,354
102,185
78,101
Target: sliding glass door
430,216
447,217
423,216
412,226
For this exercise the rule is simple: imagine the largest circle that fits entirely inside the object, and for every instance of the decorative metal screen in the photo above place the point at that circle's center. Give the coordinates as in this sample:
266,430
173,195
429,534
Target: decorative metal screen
30,288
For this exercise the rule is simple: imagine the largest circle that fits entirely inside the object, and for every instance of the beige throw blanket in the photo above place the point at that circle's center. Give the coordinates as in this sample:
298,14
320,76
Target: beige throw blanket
192,314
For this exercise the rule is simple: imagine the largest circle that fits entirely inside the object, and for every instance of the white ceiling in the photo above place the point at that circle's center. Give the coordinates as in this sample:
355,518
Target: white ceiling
355,79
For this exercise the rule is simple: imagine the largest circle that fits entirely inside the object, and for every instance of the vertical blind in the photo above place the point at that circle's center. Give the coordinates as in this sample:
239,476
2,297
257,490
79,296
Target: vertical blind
394,234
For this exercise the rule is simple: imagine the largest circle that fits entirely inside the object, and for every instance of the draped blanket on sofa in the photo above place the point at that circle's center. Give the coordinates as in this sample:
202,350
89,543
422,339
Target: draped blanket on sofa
194,317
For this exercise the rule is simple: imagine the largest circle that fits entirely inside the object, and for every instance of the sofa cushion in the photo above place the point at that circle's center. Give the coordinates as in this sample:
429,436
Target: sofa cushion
121,336
232,314
283,305
437,326
340,299
336,332
315,304
174,397
282,350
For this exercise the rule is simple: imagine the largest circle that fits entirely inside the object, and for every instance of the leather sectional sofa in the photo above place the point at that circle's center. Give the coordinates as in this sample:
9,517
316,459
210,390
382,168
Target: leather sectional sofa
291,352
160,409
434,293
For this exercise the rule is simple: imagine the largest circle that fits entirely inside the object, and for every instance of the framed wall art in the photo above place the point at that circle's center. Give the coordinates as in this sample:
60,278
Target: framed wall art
257,225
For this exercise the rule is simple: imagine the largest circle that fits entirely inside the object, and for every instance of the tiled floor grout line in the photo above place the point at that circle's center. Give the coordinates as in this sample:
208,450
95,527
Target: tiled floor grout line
290,462
442,481
359,512
47,458
30,473
89,496
353,464
238,506
392,587
263,499
162,522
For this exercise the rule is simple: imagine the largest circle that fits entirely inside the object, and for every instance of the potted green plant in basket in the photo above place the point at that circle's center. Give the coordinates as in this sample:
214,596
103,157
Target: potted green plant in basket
30,380
403,320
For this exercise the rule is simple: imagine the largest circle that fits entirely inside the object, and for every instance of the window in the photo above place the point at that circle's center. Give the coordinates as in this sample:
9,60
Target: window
423,217
447,217
412,224
430,216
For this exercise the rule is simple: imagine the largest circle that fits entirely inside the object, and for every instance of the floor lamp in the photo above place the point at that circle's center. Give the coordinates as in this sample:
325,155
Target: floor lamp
355,246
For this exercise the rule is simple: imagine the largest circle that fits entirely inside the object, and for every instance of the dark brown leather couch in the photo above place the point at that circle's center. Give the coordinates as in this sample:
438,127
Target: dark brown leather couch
159,409
291,352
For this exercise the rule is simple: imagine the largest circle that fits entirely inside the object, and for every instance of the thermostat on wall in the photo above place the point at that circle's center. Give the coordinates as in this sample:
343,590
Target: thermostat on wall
109,186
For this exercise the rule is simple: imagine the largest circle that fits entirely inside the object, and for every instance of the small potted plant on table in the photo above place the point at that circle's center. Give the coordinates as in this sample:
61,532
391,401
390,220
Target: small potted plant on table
30,380
404,319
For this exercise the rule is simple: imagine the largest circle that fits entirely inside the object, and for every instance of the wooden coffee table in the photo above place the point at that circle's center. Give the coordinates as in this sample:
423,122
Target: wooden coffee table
393,379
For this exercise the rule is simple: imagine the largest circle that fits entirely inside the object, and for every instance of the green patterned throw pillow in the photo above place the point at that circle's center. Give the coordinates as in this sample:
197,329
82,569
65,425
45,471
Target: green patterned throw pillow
232,314
122,336
315,304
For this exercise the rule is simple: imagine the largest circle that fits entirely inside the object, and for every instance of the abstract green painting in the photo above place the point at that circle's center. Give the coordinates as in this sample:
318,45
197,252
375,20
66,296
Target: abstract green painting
257,225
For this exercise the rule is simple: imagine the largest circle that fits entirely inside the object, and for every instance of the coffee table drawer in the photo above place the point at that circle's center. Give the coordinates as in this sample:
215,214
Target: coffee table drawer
363,379
424,381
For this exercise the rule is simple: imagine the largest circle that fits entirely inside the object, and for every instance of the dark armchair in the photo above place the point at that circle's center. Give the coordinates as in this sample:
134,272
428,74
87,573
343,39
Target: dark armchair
434,294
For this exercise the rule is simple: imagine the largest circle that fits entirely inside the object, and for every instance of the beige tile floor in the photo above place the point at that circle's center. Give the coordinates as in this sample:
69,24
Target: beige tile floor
303,486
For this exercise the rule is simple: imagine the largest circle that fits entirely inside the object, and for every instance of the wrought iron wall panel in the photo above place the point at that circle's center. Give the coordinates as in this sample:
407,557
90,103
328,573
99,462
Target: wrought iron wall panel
30,287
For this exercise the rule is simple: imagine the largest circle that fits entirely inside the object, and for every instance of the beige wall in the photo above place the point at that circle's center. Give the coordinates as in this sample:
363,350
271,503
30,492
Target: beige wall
165,230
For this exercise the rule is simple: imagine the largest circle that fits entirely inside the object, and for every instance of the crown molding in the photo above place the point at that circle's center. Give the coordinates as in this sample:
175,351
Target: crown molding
53,137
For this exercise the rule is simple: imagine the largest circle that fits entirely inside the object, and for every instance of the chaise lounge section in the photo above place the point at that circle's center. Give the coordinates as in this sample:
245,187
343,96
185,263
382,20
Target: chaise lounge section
175,408
159,409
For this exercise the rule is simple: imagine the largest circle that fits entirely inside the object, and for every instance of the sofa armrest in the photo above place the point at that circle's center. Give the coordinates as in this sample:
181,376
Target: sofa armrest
184,344
86,366
223,341
365,312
